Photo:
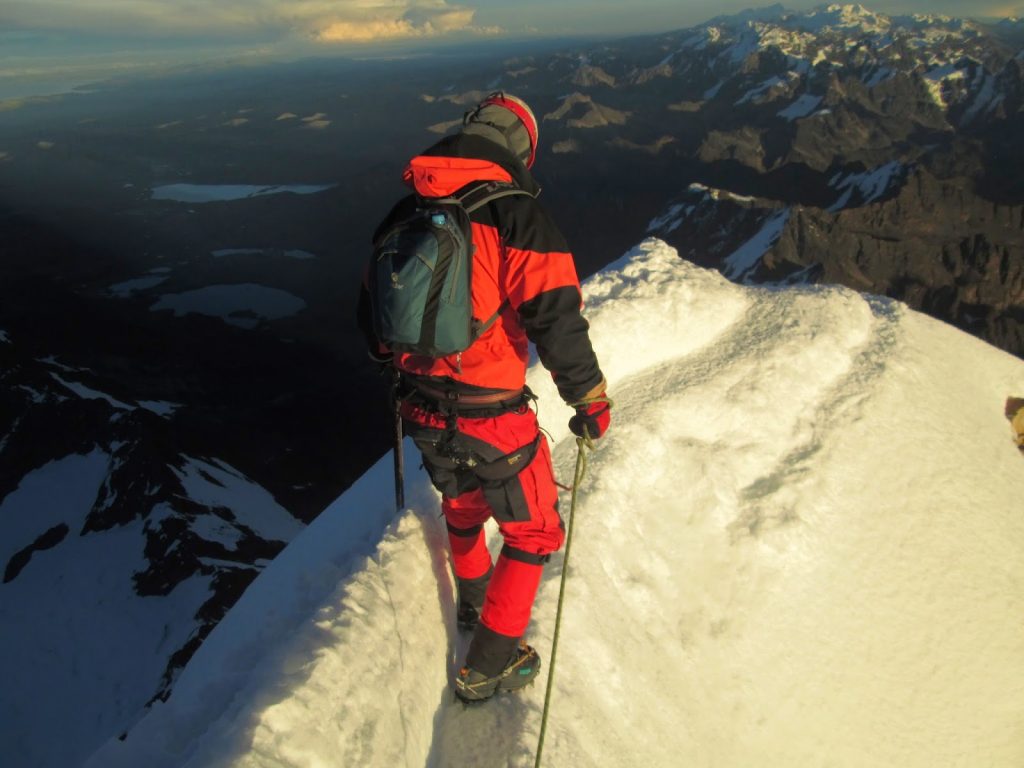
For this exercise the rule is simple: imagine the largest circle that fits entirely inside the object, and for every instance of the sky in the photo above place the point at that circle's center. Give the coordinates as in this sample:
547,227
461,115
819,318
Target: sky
37,36
797,545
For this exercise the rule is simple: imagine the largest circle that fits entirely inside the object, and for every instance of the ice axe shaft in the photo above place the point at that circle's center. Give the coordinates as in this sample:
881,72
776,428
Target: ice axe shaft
396,404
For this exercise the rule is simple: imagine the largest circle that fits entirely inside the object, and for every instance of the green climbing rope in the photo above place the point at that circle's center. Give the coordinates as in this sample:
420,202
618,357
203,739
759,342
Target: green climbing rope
584,445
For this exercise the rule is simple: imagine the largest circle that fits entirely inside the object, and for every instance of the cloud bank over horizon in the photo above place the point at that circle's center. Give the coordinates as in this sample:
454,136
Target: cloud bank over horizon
369,21
322,21
56,44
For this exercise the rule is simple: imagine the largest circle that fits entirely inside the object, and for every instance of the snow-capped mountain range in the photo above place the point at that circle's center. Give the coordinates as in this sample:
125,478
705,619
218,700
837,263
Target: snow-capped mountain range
119,556
890,141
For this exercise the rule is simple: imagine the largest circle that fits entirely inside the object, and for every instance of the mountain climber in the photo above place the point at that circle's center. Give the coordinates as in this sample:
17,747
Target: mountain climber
469,413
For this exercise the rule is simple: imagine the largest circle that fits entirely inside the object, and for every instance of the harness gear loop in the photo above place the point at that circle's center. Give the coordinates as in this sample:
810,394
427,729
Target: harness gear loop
583,445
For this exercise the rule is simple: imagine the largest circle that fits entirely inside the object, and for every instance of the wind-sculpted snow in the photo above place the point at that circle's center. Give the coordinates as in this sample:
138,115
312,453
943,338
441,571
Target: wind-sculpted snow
797,545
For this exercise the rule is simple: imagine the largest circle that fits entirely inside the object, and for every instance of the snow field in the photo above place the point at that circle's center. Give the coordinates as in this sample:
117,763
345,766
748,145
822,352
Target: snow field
91,651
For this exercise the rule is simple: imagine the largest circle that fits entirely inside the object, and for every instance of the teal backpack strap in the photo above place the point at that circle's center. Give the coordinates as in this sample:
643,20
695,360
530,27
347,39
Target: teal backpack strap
481,329
480,194
476,196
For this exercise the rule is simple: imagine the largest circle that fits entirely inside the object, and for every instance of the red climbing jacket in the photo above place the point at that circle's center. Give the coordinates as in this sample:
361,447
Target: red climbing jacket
522,264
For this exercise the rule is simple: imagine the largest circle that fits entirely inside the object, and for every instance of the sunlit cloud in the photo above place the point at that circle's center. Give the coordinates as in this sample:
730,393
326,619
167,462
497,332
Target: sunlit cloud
957,8
409,24
1016,11
401,19
1002,10
61,29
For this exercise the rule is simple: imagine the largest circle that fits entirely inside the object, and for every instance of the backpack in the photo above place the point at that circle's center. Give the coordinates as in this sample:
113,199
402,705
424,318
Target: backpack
421,272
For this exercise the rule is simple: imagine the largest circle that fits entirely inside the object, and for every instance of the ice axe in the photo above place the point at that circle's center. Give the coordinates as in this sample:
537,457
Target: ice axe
396,404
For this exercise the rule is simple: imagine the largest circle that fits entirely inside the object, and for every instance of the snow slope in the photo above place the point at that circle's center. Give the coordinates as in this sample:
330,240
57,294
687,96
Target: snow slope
798,545
82,651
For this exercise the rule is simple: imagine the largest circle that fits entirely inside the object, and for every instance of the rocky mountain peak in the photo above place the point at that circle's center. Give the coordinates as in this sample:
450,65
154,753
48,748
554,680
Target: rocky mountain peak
847,18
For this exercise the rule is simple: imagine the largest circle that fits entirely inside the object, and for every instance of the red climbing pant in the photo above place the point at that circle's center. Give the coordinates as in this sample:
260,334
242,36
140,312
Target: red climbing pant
496,466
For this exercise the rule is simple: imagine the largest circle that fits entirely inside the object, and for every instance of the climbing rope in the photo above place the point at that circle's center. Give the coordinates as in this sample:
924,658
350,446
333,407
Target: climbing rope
583,445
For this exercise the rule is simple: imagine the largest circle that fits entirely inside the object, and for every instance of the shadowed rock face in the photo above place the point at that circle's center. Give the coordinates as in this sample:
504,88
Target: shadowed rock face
143,489
934,243
937,246
581,111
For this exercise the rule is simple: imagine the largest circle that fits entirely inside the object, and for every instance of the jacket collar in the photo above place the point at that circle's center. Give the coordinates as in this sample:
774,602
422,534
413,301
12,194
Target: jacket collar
458,160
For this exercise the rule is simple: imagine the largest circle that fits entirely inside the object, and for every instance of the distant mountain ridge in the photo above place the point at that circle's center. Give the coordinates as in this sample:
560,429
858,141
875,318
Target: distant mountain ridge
102,514
911,121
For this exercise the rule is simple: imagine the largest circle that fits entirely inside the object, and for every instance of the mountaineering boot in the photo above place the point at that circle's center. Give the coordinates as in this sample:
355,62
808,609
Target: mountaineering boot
468,617
472,686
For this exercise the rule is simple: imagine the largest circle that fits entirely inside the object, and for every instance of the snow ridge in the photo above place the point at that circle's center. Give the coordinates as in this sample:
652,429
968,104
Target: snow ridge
770,523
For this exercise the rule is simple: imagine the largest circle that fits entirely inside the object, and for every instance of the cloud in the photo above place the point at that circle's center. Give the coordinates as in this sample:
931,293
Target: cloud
398,20
957,8
1000,10
982,10
321,20
368,30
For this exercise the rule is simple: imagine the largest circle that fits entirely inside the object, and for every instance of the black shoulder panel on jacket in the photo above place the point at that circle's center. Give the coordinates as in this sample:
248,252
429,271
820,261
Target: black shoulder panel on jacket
553,322
523,224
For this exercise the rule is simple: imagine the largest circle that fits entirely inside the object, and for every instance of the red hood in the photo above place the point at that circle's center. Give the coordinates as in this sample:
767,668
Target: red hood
438,176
